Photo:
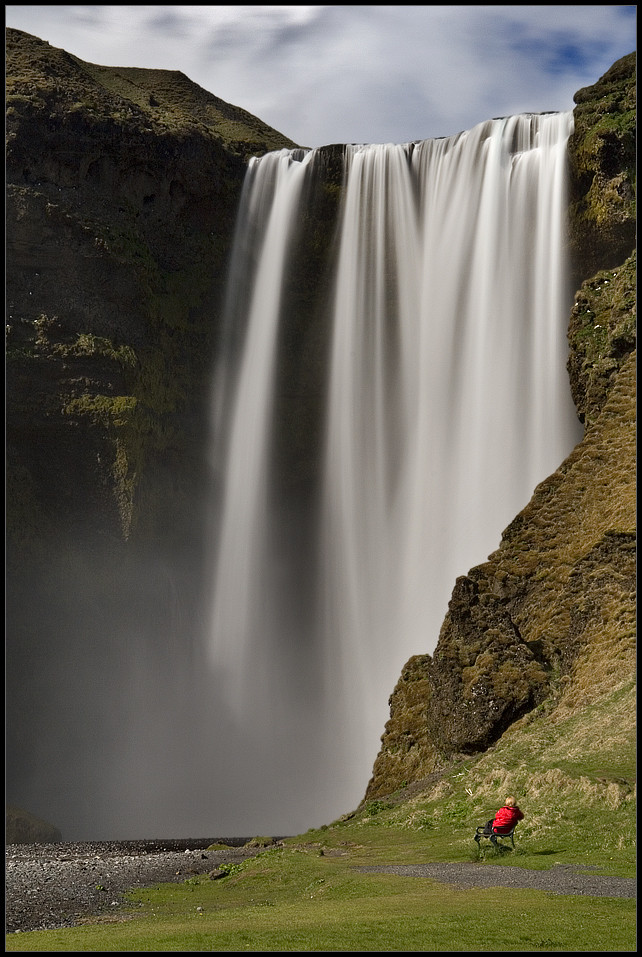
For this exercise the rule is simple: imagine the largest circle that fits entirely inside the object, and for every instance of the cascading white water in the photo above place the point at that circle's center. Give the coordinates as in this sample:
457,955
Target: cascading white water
242,588
447,402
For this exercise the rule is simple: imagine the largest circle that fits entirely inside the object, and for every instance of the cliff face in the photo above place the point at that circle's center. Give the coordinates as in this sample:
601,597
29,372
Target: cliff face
553,609
122,192
602,157
121,184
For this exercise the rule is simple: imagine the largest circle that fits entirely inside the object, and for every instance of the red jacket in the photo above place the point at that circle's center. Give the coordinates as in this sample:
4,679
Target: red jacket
506,819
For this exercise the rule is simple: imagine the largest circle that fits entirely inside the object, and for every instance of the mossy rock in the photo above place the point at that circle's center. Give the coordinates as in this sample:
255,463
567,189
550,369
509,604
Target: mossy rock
21,827
602,166
601,334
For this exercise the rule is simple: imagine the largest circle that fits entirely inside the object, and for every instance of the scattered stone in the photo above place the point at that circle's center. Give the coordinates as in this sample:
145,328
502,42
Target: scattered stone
63,885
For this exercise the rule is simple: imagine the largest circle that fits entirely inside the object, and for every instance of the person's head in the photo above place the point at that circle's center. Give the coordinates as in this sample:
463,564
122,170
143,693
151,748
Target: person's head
510,802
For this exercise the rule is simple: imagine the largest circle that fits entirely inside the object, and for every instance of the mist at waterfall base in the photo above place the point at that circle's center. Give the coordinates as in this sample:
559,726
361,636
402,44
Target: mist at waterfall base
440,400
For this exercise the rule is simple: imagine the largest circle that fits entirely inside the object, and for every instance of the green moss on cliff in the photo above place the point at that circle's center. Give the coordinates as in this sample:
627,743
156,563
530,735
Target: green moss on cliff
602,155
170,100
549,620
406,750
602,332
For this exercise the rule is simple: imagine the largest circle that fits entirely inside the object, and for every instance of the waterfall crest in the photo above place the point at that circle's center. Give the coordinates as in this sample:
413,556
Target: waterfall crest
446,401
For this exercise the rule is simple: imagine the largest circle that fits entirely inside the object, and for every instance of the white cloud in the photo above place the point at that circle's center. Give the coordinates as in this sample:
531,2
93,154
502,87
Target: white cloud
328,74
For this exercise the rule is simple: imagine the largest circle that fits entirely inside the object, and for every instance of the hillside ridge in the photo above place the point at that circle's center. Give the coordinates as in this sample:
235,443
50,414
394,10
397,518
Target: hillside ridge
164,100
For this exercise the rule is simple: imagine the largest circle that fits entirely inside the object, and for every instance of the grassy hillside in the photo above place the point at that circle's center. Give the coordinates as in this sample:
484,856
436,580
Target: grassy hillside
171,99
163,101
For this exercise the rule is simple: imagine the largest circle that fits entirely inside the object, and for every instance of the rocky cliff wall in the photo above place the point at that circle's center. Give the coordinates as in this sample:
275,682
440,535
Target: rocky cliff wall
122,190
602,159
552,611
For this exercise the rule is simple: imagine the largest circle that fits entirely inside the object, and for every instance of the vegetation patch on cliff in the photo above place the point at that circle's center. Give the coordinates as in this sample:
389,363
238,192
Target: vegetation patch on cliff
602,155
601,333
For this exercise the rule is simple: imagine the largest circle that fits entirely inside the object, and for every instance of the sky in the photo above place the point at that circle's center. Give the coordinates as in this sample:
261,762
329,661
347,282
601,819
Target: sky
356,74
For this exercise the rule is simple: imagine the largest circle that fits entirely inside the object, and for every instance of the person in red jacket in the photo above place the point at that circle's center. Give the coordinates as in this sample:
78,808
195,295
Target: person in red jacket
507,817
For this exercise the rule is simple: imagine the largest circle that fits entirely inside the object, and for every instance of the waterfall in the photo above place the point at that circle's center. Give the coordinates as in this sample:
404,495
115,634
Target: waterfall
445,401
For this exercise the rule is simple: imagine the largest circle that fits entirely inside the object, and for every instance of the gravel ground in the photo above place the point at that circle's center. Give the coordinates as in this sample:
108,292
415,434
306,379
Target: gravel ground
59,885
560,879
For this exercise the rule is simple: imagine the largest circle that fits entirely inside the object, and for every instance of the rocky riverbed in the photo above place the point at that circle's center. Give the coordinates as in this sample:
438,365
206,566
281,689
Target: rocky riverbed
57,885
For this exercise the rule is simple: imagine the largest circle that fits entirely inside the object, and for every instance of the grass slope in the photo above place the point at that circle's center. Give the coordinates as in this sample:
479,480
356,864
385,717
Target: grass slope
159,100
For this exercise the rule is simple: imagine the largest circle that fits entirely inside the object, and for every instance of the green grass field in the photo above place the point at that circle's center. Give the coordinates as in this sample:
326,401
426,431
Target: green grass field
294,898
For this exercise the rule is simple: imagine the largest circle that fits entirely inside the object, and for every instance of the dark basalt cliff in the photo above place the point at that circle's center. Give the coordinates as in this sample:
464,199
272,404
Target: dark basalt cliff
122,188
553,609
602,155
121,185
